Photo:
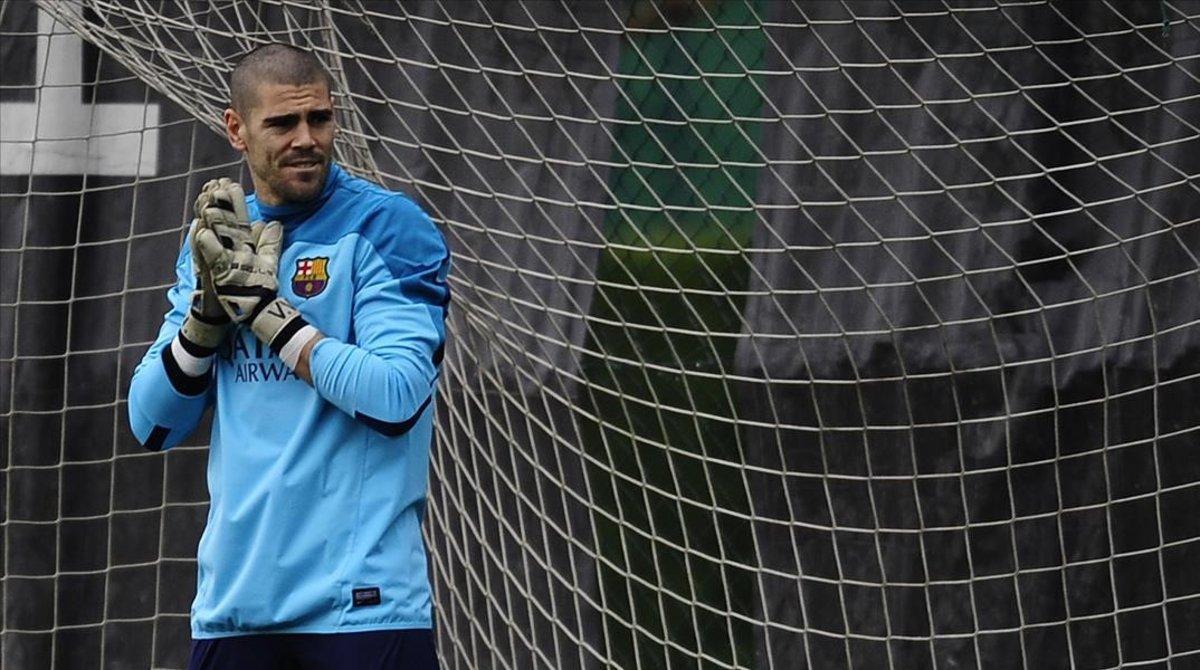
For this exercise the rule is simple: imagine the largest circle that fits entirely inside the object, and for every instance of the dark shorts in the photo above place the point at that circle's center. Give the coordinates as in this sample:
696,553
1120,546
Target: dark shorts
374,650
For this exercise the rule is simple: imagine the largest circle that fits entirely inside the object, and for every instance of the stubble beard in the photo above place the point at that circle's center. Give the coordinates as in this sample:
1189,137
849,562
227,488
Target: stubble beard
295,192
298,192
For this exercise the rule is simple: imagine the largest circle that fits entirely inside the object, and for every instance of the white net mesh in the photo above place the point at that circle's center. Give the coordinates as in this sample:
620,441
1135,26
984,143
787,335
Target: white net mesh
837,334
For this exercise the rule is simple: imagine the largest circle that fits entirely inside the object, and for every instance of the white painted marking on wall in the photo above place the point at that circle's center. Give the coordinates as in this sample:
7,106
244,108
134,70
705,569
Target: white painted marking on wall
59,134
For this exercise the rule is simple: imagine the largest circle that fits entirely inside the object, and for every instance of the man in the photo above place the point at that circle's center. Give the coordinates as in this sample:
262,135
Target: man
318,337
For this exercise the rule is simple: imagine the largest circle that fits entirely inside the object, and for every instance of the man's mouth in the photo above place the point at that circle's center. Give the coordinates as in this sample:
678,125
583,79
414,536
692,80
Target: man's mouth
303,165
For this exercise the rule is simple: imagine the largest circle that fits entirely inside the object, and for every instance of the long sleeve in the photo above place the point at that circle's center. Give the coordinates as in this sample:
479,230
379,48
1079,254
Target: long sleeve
387,376
165,404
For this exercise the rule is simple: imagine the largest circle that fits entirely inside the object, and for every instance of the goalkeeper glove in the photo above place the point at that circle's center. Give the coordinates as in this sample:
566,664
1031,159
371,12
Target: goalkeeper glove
220,207
206,323
245,284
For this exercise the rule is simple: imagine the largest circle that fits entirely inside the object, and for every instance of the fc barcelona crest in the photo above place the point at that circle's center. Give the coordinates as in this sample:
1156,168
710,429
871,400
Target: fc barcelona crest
312,274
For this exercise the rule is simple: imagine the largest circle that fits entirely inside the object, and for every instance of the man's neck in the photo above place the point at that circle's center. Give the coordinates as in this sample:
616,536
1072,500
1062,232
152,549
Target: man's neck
264,194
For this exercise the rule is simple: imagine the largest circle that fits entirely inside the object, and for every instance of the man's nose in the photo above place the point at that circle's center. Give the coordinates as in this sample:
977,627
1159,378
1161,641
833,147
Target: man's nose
303,137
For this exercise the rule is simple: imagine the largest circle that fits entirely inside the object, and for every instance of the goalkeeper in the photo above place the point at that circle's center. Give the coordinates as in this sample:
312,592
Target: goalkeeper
317,337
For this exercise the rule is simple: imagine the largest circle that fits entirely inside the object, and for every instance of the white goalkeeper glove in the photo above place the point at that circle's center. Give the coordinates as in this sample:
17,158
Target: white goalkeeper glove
221,208
206,323
243,279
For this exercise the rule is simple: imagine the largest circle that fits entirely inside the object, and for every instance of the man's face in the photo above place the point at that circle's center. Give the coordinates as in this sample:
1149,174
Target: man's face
287,137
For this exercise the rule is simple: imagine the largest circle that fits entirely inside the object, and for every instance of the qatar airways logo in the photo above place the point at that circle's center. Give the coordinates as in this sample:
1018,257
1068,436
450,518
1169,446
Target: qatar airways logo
253,361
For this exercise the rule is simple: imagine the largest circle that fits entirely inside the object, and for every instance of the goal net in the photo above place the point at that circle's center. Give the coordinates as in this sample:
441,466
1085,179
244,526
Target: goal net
784,335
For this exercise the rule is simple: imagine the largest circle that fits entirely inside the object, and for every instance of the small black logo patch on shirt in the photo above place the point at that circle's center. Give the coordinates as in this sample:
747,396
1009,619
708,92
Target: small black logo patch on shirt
367,596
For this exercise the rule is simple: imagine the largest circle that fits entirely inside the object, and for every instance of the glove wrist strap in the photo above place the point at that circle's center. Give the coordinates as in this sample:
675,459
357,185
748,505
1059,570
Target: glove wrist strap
282,327
188,362
201,333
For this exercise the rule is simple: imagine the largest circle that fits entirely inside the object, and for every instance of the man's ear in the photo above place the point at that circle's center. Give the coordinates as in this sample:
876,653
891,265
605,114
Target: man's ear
235,129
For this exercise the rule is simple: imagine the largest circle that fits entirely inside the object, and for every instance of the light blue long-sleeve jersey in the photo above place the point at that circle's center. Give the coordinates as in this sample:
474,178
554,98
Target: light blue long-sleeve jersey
317,492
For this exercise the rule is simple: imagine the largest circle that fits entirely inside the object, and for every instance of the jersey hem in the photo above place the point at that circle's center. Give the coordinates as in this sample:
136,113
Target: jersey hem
322,630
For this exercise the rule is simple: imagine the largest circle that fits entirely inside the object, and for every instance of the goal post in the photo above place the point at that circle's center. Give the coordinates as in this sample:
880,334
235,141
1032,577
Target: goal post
784,334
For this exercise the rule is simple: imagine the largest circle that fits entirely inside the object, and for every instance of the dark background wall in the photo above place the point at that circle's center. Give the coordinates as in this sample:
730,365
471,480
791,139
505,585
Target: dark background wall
785,335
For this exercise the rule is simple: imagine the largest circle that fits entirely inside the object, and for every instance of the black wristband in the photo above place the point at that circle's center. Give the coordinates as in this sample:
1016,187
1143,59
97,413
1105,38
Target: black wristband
197,350
183,382
286,333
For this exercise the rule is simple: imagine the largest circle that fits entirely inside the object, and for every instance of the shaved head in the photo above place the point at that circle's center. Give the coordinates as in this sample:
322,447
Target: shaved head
273,64
281,117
